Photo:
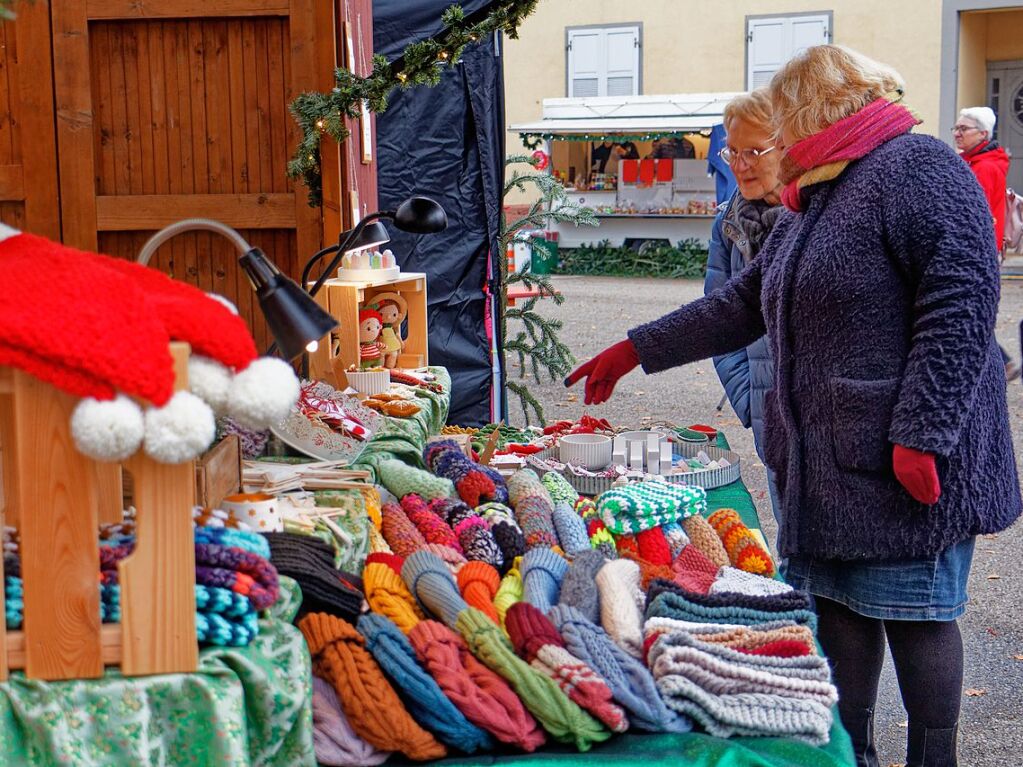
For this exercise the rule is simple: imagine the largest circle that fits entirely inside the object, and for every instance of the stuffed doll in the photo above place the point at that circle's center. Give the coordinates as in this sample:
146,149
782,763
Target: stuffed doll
390,334
370,348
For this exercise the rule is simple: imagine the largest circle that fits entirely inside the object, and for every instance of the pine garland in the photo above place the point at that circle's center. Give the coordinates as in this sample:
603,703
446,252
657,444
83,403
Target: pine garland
421,63
537,344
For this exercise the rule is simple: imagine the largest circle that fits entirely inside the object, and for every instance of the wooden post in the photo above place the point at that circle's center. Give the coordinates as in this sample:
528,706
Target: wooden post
157,580
7,472
59,551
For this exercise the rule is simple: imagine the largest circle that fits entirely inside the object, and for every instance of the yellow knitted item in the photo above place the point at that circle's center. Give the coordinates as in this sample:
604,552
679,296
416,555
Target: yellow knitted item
377,544
371,496
509,592
388,595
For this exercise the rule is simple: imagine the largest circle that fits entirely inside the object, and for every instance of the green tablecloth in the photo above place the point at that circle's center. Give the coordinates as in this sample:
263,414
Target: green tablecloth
405,438
245,707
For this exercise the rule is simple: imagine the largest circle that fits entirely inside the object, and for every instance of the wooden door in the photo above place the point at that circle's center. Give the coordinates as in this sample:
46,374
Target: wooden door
171,109
28,156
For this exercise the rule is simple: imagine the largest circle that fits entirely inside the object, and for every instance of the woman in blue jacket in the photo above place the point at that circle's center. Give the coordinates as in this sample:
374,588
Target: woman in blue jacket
739,231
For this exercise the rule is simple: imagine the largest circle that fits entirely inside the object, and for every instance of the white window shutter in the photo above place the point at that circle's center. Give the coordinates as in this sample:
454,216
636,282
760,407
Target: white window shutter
622,61
585,47
771,42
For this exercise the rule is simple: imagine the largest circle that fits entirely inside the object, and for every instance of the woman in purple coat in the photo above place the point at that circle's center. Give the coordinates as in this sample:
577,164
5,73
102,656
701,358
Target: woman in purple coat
887,426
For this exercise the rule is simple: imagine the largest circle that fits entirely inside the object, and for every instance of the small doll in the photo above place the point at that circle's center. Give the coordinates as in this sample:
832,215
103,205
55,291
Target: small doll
390,335
370,348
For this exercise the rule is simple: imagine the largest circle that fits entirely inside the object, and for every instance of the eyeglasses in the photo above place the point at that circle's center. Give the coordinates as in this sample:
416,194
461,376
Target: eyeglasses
749,156
963,128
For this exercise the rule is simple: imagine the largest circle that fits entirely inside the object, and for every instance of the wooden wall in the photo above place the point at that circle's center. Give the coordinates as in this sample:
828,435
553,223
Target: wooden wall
160,110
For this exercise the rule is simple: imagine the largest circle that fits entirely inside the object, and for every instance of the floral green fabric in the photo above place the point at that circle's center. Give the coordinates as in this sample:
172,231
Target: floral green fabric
245,707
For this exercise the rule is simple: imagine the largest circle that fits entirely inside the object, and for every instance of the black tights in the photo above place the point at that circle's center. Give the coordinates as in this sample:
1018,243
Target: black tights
928,659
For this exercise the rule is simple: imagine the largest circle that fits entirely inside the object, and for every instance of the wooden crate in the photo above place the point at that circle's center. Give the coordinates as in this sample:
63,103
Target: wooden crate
344,300
57,494
218,473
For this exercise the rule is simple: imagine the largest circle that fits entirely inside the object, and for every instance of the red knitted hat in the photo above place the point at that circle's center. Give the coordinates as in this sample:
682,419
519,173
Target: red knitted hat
99,328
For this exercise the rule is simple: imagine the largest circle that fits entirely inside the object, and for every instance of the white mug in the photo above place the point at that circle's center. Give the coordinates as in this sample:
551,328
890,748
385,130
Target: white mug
257,510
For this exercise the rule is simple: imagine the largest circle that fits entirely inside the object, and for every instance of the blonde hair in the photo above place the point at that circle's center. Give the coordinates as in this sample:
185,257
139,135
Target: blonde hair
753,108
825,83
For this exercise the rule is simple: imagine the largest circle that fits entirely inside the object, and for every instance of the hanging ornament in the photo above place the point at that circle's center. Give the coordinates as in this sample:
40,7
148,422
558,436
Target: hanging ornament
541,159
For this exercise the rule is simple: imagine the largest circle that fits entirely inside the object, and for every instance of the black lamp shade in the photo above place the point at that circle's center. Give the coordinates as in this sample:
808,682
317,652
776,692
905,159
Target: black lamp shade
420,215
372,234
293,316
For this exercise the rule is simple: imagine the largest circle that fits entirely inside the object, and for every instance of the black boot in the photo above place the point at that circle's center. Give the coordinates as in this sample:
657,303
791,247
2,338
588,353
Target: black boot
859,723
932,747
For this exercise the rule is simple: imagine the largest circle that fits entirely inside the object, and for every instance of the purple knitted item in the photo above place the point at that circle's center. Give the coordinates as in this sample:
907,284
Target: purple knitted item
510,541
446,459
244,563
109,556
451,510
535,516
240,583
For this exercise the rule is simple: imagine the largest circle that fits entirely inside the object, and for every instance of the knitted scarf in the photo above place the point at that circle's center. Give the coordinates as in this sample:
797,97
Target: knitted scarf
824,155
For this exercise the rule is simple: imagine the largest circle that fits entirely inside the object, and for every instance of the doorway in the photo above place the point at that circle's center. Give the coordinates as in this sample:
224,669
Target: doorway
1005,97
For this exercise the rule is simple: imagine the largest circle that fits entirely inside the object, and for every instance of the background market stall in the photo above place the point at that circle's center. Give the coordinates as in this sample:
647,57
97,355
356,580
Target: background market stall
645,164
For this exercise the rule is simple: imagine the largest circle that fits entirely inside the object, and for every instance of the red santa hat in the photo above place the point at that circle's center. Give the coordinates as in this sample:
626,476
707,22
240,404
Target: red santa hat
99,328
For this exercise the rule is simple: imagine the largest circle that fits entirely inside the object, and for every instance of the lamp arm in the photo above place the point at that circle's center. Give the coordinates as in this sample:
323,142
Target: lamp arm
186,225
312,262
343,247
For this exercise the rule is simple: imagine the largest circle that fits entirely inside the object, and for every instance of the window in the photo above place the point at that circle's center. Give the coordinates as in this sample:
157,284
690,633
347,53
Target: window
603,61
772,41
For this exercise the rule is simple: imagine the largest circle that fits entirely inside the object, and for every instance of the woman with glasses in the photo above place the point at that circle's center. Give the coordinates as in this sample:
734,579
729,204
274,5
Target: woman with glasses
973,135
739,232
887,426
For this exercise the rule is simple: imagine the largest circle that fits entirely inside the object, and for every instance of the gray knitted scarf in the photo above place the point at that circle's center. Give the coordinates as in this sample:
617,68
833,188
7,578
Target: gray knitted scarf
748,223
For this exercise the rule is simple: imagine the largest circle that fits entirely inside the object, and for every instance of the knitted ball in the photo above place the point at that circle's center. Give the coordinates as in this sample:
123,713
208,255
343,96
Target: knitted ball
401,479
180,430
263,394
110,430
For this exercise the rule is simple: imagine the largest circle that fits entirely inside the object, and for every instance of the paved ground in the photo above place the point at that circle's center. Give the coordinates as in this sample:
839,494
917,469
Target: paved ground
599,310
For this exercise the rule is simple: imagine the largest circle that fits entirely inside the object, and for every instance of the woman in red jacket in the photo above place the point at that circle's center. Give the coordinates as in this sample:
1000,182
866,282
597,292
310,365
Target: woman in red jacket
990,164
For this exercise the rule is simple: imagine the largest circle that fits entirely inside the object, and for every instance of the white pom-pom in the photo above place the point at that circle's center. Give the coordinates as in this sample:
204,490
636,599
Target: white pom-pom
180,430
109,430
210,381
221,300
262,395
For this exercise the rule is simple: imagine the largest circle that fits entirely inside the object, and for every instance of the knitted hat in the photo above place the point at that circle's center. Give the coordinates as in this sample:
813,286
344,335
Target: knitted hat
401,479
693,570
433,586
561,489
741,638
542,572
630,681
789,600
780,648
702,536
642,505
653,546
334,740
743,548
474,485
648,572
453,559
372,706
398,530
423,698
579,588
731,580
562,718
124,316
505,530
601,538
432,527
535,516
388,558
480,694
478,583
524,483
388,595
377,542
508,593
570,528
310,562
676,538
537,641
668,604
620,604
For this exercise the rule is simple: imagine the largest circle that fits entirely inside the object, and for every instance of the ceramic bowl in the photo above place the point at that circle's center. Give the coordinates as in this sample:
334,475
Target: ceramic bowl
641,436
710,431
590,451
257,510
370,383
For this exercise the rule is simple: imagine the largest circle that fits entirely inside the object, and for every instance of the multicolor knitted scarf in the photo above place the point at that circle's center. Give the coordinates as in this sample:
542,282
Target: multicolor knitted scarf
824,155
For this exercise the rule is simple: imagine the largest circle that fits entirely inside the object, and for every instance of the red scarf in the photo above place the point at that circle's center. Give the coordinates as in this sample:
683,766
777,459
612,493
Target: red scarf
824,155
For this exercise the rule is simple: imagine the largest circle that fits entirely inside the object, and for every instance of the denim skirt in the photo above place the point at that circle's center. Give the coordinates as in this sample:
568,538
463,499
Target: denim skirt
926,589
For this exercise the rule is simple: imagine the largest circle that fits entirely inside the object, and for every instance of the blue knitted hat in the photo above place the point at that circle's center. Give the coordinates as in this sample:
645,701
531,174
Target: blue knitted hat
430,582
579,587
631,683
422,696
542,572
570,528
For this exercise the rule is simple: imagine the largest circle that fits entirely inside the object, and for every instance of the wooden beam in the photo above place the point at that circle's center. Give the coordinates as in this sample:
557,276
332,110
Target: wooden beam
110,647
128,213
302,26
180,9
35,117
12,183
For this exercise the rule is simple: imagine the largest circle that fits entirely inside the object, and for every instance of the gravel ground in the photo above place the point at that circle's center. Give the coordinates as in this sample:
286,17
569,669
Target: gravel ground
597,312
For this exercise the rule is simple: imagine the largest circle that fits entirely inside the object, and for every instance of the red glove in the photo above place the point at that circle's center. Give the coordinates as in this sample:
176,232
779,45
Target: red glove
918,474
603,371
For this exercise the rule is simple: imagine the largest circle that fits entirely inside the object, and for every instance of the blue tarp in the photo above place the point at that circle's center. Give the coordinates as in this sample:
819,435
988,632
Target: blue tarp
724,181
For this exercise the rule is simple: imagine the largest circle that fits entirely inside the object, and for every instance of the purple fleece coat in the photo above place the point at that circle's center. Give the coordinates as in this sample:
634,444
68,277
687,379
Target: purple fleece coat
879,302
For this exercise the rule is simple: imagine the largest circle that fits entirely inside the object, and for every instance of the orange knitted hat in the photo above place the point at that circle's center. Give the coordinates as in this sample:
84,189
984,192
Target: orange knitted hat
479,582
373,708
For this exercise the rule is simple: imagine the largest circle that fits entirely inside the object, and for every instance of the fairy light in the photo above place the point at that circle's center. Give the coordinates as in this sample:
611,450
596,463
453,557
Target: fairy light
321,124
402,77
443,55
